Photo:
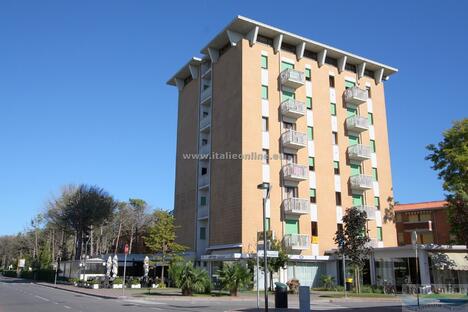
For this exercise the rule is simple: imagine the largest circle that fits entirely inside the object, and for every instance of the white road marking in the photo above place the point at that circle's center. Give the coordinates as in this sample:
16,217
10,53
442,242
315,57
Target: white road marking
42,298
67,307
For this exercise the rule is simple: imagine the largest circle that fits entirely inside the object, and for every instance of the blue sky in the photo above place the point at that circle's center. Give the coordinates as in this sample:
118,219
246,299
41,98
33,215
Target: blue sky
83,97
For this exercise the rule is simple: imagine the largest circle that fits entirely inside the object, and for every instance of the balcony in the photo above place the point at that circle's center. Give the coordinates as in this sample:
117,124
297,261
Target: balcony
357,124
418,226
205,122
373,243
292,108
360,182
359,152
296,206
370,211
296,241
294,139
355,96
295,172
204,149
292,78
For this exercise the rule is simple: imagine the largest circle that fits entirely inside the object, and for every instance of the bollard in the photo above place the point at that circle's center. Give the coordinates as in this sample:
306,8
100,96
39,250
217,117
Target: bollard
304,298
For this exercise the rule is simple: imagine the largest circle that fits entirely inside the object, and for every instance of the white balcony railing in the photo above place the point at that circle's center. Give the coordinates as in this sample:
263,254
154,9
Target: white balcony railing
204,180
294,139
205,121
292,108
359,152
357,124
370,211
202,212
296,206
295,172
360,182
292,78
355,95
205,149
296,241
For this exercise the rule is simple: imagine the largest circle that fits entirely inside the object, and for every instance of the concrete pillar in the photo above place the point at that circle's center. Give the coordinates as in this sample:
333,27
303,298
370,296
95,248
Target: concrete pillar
373,277
424,267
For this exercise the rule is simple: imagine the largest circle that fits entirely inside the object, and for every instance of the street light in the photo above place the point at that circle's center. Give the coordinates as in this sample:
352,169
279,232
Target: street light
265,186
414,242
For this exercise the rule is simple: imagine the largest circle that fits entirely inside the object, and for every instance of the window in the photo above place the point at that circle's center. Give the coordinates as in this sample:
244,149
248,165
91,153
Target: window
310,133
264,92
336,167
311,163
264,124
377,202
358,199
286,65
331,80
307,74
313,196
267,224
291,192
333,109
371,118
335,138
349,84
289,125
379,233
353,140
204,142
203,233
339,227
286,95
338,198
266,156
352,111
205,114
264,61
372,146
355,169
309,102
291,226
203,201
314,229
375,175
204,170
368,92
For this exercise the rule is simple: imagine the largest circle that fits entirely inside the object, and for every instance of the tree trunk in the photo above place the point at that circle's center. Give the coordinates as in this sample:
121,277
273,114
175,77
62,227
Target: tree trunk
79,245
131,240
91,238
162,268
118,236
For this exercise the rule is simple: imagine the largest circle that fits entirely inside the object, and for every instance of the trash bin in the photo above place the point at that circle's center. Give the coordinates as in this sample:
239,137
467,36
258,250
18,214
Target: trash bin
349,284
281,295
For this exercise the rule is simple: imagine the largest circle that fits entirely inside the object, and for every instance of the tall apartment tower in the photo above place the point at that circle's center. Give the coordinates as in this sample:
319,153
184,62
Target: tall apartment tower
318,116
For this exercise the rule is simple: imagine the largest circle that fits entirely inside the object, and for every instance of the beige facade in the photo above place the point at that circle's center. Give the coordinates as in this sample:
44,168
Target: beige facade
233,69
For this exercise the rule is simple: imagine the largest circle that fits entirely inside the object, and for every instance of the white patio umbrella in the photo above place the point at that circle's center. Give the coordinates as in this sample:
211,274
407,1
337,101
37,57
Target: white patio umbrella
146,266
108,266
115,266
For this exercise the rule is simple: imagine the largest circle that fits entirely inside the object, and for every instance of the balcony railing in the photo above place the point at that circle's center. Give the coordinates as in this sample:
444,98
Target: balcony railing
295,172
360,182
205,121
292,108
292,78
296,241
359,152
203,180
294,139
296,206
205,149
355,95
418,226
357,124
370,211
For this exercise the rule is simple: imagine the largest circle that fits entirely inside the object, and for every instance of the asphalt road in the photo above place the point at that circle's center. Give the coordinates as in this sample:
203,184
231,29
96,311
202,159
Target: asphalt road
17,295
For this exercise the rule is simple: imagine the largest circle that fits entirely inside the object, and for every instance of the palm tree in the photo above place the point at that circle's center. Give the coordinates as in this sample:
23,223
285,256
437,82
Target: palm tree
233,277
192,279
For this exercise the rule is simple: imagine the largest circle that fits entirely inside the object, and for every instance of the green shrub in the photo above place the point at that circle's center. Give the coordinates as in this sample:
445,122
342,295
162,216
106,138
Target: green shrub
118,280
134,281
234,276
9,273
328,282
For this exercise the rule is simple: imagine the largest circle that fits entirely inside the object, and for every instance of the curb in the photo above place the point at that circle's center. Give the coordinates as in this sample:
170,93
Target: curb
78,292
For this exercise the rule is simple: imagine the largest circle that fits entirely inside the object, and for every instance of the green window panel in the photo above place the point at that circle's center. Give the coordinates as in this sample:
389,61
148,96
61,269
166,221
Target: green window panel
352,111
349,84
265,92
355,169
309,102
312,192
379,233
310,133
333,109
264,61
203,233
372,146
285,95
311,161
377,202
286,65
203,201
375,175
308,73
353,139
358,199
292,227
371,118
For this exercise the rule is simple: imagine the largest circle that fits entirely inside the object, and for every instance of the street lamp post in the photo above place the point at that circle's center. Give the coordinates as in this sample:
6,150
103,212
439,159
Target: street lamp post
265,187
414,241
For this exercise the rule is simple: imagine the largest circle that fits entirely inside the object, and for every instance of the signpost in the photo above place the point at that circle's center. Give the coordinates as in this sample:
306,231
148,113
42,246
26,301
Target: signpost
414,241
125,269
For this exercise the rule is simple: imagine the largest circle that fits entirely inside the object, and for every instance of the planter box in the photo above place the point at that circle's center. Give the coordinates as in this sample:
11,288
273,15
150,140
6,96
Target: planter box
94,286
135,286
117,286
155,286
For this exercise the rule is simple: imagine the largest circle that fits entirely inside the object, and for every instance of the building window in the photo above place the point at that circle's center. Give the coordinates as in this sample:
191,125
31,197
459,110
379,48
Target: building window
264,61
379,233
291,226
287,95
371,118
377,202
336,167
264,92
204,142
335,137
266,156
286,65
372,146
339,227
203,201
401,238
310,133
313,196
314,229
349,84
309,102
267,224
338,198
331,80
202,233
311,163
307,74
265,124
375,175
368,92
333,109
204,170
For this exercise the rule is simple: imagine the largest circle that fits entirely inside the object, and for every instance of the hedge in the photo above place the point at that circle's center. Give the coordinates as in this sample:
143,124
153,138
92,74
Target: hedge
9,273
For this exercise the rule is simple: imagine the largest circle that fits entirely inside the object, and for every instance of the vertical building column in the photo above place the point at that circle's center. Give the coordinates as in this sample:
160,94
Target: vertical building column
424,267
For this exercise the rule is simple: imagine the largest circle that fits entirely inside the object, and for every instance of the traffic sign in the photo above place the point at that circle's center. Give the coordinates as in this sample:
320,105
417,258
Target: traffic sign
270,253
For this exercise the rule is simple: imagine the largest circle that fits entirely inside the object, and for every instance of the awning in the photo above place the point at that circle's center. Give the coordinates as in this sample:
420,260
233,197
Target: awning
457,261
